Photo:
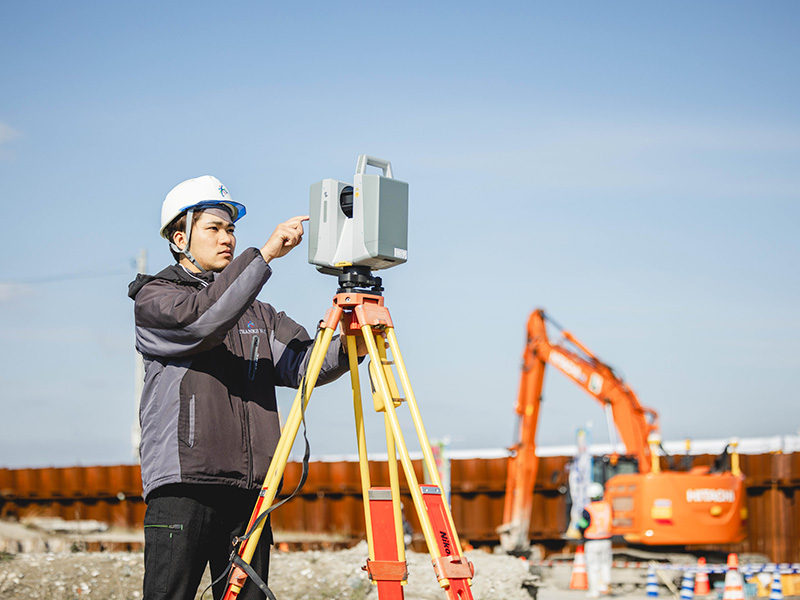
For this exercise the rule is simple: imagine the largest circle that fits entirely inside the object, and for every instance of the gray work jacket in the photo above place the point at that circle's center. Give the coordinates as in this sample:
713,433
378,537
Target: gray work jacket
213,355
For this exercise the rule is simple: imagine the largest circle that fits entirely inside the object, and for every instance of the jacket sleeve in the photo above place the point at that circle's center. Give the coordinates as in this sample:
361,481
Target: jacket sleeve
291,351
175,320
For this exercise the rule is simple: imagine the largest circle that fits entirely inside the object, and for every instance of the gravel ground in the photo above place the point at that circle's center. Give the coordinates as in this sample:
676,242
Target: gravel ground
313,575
37,564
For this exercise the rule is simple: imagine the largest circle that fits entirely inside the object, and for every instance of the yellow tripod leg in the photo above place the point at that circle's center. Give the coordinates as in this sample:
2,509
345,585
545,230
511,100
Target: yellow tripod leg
278,464
413,408
361,437
387,567
394,484
394,426
391,447
453,571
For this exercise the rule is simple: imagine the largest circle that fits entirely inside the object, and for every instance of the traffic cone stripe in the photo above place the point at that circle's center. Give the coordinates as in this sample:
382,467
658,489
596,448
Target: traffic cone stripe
776,590
652,582
733,580
687,586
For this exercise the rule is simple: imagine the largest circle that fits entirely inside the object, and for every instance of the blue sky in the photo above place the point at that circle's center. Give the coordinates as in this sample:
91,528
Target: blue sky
633,168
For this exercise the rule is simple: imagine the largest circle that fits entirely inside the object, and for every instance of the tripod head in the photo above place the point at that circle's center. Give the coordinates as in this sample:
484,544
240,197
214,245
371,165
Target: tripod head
356,278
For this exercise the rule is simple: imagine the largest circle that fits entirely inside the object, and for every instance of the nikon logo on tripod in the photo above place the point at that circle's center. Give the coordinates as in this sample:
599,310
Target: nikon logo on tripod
359,224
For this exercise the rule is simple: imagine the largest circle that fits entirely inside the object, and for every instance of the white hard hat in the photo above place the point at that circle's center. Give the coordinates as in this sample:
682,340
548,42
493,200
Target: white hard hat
197,193
594,490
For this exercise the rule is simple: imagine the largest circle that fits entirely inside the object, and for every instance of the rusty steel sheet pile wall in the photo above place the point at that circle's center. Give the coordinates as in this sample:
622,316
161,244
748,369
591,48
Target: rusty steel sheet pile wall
329,511
111,494
773,502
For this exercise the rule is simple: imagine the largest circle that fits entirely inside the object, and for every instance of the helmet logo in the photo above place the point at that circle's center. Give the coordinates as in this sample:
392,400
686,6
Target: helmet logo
222,191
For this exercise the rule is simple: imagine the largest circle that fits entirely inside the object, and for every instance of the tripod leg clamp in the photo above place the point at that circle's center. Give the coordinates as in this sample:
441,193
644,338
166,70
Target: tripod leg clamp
452,567
386,570
237,576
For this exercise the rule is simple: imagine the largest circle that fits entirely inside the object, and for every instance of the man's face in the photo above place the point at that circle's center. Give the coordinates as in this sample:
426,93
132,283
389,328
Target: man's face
212,243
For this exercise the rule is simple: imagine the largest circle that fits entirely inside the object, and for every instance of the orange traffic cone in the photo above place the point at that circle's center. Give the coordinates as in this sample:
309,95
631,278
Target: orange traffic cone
701,584
734,589
579,580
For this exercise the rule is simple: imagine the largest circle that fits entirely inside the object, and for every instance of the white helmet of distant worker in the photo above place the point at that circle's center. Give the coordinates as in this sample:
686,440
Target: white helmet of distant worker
595,491
191,196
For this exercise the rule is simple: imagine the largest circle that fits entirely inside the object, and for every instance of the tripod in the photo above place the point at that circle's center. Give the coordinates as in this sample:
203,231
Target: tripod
359,307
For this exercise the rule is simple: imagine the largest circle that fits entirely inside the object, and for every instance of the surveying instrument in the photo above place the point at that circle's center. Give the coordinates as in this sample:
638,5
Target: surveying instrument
354,229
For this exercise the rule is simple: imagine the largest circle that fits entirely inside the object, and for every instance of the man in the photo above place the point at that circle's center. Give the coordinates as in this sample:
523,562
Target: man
595,526
213,355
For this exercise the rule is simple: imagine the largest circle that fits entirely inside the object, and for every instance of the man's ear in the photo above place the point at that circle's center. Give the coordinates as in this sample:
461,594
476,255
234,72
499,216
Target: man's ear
179,239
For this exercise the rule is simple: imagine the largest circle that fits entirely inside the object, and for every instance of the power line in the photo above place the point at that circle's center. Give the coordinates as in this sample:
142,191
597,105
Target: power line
45,279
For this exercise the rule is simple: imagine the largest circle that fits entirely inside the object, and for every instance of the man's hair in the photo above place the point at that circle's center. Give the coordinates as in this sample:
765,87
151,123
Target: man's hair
179,224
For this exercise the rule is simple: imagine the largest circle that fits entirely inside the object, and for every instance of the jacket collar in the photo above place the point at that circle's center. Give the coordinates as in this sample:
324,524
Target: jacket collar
174,273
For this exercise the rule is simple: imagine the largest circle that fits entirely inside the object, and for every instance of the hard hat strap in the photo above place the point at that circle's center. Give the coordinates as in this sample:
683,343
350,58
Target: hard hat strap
185,251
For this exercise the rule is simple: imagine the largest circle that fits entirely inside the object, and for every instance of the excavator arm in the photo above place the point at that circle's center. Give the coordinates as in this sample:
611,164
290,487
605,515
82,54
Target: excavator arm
634,422
523,463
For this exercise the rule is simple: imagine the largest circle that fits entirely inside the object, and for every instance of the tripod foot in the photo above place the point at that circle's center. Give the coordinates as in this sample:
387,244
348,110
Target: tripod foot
389,570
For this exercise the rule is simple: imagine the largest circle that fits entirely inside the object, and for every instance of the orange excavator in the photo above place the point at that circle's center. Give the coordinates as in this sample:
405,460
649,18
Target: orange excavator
652,506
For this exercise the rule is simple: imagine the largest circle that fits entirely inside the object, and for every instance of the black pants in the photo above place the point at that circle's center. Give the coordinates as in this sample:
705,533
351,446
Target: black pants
187,527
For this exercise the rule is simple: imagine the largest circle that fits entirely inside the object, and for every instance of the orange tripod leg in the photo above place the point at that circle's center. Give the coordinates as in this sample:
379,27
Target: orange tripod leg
449,564
386,571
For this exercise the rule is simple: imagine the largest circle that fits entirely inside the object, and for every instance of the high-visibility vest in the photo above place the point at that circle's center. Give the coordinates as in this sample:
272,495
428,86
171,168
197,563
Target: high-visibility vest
599,521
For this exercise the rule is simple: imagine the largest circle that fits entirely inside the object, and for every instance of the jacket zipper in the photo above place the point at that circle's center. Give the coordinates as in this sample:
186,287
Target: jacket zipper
247,444
246,412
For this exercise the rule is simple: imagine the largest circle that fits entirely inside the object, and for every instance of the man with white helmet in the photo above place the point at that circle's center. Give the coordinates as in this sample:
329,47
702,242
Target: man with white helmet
213,355
595,526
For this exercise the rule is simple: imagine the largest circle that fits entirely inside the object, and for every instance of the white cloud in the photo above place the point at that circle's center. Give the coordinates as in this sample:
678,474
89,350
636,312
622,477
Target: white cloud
10,291
7,135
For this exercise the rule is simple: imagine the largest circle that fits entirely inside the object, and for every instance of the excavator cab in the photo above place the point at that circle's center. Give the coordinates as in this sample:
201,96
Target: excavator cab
606,467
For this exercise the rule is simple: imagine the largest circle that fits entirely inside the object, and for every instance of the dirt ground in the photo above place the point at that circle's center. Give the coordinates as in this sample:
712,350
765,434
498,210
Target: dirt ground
312,575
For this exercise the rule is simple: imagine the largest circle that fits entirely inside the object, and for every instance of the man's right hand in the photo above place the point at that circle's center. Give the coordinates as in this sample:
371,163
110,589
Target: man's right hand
286,236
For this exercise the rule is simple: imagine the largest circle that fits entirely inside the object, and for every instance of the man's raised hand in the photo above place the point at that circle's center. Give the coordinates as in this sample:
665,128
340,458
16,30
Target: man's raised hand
286,236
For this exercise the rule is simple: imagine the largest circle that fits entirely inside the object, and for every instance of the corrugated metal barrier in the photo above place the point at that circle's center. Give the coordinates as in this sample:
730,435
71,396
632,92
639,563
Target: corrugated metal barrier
328,511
